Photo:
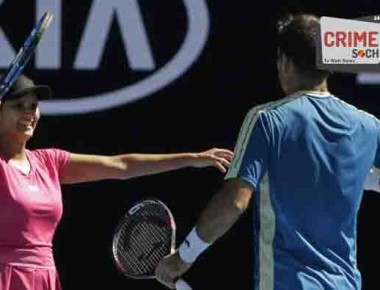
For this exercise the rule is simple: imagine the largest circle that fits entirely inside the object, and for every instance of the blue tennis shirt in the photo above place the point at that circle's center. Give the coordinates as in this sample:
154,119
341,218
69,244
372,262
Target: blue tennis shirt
307,157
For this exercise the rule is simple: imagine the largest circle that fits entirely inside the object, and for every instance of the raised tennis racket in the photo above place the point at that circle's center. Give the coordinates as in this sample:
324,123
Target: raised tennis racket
26,51
144,236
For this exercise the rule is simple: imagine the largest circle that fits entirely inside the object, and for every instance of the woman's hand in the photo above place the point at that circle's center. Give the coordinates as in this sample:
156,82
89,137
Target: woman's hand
219,158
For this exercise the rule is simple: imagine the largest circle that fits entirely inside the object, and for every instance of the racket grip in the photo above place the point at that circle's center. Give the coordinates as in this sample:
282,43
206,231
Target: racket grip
182,285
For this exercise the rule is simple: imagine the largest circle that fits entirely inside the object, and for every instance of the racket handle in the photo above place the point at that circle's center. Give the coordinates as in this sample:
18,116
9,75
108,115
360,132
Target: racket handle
182,285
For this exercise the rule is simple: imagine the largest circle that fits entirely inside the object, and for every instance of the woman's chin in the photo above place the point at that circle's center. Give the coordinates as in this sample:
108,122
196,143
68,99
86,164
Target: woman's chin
26,135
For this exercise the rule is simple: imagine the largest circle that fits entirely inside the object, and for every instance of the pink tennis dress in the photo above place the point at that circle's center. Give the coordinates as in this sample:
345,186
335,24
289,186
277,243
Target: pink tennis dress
30,210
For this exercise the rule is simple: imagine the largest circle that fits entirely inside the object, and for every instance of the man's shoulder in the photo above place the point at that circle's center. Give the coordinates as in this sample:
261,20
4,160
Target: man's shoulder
360,112
269,106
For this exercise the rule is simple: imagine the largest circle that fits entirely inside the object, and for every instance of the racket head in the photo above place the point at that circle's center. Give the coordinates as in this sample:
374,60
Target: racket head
144,236
24,54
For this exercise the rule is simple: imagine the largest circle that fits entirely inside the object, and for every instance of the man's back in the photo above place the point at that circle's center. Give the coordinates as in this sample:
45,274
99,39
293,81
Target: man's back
304,160
318,153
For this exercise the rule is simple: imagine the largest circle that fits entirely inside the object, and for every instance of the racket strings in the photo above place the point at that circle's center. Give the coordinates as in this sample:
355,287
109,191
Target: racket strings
150,252
129,264
143,240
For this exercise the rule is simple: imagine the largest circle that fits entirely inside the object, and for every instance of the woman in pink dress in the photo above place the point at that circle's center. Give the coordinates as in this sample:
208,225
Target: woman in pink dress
30,192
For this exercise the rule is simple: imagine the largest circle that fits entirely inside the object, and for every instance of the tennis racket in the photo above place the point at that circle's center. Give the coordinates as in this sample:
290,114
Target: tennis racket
23,55
144,236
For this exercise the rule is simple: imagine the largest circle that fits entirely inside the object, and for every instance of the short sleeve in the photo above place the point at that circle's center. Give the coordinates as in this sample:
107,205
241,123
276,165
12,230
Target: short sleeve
54,159
250,161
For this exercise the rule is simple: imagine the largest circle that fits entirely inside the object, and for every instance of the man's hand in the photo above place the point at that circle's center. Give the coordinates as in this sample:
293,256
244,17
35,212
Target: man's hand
170,269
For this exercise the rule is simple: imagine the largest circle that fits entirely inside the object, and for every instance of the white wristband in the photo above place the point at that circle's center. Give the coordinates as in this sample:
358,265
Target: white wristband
192,247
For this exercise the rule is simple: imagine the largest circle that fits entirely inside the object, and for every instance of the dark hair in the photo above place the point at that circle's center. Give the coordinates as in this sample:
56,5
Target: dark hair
297,40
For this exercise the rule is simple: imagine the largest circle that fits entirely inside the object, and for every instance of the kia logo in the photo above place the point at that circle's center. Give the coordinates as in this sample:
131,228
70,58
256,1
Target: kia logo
90,52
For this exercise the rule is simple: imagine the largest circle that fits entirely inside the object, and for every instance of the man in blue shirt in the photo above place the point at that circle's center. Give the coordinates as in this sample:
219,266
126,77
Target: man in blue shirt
303,160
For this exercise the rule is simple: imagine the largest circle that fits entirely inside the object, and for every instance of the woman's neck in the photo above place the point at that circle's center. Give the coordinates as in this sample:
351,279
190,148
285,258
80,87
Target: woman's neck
11,149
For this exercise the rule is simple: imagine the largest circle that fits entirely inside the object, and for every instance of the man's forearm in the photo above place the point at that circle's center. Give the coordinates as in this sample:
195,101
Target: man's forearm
223,211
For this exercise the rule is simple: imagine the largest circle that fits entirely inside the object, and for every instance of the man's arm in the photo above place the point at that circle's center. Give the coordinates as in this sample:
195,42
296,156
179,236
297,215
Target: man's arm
224,210
248,166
